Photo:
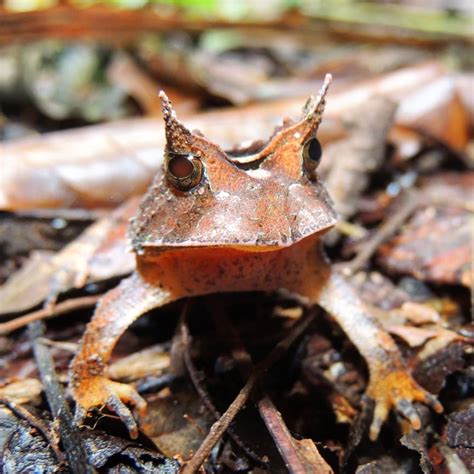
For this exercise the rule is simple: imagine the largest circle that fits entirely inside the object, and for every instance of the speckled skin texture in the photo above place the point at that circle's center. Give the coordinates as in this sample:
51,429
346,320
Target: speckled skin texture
239,229
274,204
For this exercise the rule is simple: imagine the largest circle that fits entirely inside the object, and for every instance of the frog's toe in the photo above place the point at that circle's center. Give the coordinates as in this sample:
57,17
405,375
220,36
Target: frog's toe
397,389
408,410
380,415
115,403
123,412
433,403
100,392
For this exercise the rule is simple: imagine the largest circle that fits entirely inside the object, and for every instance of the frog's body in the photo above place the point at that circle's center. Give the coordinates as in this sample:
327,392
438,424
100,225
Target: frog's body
212,223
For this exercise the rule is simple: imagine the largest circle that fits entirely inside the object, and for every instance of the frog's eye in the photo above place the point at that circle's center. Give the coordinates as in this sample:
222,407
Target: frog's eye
183,171
311,154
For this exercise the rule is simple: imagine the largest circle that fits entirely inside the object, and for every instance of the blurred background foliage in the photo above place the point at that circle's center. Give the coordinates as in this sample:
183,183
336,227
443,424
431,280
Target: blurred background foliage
86,61
453,16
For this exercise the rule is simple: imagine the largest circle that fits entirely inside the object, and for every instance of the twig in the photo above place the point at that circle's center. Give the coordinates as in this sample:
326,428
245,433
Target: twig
36,423
280,434
206,399
275,424
386,230
46,313
70,434
300,456
221,425
271,417
63,213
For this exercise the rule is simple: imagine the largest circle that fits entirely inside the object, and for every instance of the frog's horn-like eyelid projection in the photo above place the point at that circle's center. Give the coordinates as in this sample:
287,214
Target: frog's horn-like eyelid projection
314,108
311,118
178,137
181,140
313,115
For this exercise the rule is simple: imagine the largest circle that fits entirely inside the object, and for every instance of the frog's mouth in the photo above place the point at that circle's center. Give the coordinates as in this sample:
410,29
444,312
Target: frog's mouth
157,249
152,250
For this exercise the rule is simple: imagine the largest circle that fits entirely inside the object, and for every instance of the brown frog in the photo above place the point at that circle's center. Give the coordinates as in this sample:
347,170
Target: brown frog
212,222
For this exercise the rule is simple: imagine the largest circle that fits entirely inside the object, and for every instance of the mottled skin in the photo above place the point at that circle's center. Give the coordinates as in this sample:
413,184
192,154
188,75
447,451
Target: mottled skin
251,223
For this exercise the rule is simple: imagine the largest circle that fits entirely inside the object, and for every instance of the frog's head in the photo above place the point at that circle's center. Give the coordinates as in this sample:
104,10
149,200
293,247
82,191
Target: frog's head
262,200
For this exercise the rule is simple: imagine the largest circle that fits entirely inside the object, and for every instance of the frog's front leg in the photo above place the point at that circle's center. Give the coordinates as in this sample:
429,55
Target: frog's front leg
390,384
88,375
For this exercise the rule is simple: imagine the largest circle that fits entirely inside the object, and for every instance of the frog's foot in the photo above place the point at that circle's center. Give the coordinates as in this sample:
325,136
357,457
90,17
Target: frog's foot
98,391
397,389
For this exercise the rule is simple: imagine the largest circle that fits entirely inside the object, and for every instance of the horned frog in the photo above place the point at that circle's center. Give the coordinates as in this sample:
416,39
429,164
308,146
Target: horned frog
212,222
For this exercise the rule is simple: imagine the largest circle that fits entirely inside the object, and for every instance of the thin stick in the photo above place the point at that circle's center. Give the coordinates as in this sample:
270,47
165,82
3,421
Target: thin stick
218,428
63,213
281,435
70,435
206,399
386,230
272,418
46,313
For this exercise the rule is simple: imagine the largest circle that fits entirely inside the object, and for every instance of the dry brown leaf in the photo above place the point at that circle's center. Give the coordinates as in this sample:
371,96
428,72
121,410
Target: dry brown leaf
151,361
103,164
437,110
21,290
460,435
313,461
124,72
99,253
418,313
416,337
22,391
179,423
440,341
441,356
435,245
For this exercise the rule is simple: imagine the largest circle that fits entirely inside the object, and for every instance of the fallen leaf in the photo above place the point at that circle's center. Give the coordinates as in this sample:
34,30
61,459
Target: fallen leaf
435,245
437,110
121,158
419,313
416,337
309,455
22,391
179,422
99,253
417,441
431,372
151,361
460,435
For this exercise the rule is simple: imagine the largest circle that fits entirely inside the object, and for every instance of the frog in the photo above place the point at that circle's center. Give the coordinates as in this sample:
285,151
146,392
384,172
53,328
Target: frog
214,221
